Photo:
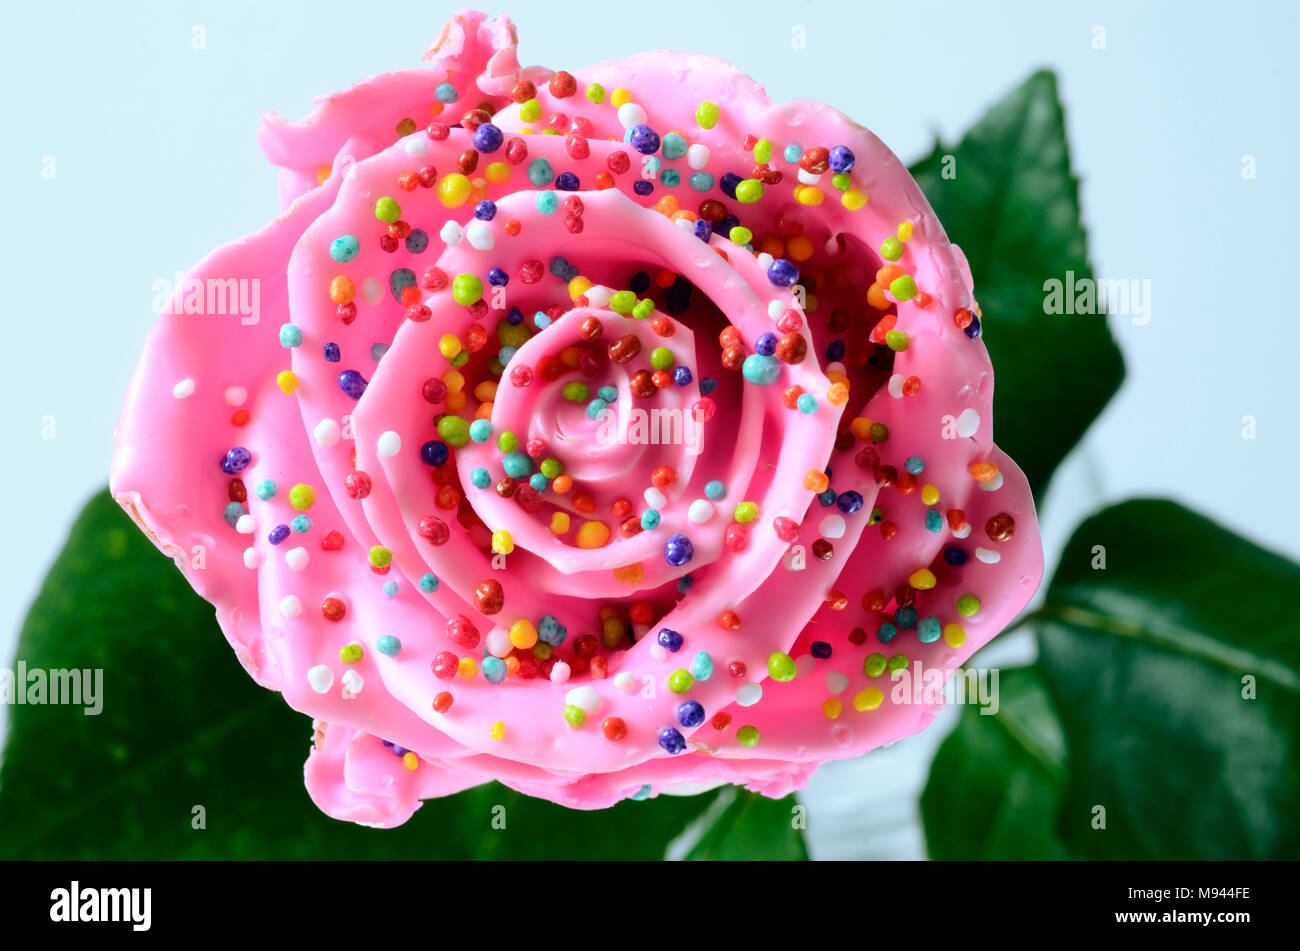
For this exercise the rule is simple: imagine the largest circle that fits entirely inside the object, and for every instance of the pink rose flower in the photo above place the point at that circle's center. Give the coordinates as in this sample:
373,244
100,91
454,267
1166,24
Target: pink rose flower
587,432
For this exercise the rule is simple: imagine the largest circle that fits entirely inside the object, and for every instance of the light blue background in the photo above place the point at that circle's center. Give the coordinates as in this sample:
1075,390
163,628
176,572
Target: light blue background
157,163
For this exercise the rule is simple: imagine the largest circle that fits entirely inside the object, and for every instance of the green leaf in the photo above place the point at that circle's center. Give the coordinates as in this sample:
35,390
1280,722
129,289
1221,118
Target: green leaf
744,825
1176,672
995,785
183,725
1012,203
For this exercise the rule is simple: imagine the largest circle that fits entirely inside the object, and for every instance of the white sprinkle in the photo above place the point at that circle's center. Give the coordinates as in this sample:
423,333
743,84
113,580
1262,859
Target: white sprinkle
297,558
835,367
183,389
416,145
246,525
585,698
749,694
497,642
832,526
560,673
701,511
658,651
836,682
390,444
684,224
805,664
808,178
290,606
775,309
598,295
451,234
252,558
372,292
993,484
968,423
765,261
479,236
988,556
896,385
655,499
235,395
327,433
630,114
697,156
962,532
625,682
321,678
353,681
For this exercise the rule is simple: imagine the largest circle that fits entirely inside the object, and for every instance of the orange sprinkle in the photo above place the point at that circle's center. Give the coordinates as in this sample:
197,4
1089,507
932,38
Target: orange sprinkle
435,109
583,502
815,481
562,484
478,189
984,471
800,247
410,295
342,289
667,205
876,297
684,215
323,173
921,299
773,245
513,227
888,274
630,575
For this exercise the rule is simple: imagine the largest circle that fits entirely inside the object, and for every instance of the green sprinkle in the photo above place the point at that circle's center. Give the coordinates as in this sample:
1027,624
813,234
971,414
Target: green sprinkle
968,605
576,392
467,289
507,441
574,716
643,309
746,512
453,430
897,340
891,249
380,556
740,235
351,653
680,681
780,666
551,468
596,93
530,111
622,302
841,181
903,288
763,151
749,191
747,736
661,358
707,115
874,665
387,210
897,662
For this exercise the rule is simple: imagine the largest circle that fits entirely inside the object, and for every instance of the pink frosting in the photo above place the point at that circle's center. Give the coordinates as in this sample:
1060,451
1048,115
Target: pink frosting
818,604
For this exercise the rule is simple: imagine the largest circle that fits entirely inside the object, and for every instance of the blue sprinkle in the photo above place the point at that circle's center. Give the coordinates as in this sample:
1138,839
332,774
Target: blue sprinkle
547,202
377,351
690,713
671,740
266,489
608,393
806,403
685,583
927,632
234,511
644,139
782,273
434,452
497,277
650,519
446,93
792,152
539,481
642,794
428,583
480,478
485,210
343,249
973,330
596,408
850,502
388,645
715,489
728,184
290,336
827,498
540,172
332,352
390,589
954,555
678,550
236,461
515,316
707,385
886,633
906,617
399,280
914,465
682,376
670,178
702,229
842,159
670,640
701,181
301,525
494,669
278,534
835,351
352,383
417,240
765,344
820,649
933,521
488,138
673,146
568,182
642,187
640,282
702,666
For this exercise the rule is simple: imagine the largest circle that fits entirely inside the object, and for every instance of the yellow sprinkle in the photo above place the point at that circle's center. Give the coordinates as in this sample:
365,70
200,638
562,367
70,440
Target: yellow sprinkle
502,542
861,427
498,173
835,376
571,357
484,410
530,111
487,390
323,173
810,303
809,195
832,708
499,730
578,286
838,394
449,346
905,231
467,668
560,522
411,761
454,190
922,580
455,381
929,494
868,699
954,635
522,634
592,535
620,97
853,199
799,248
287,381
